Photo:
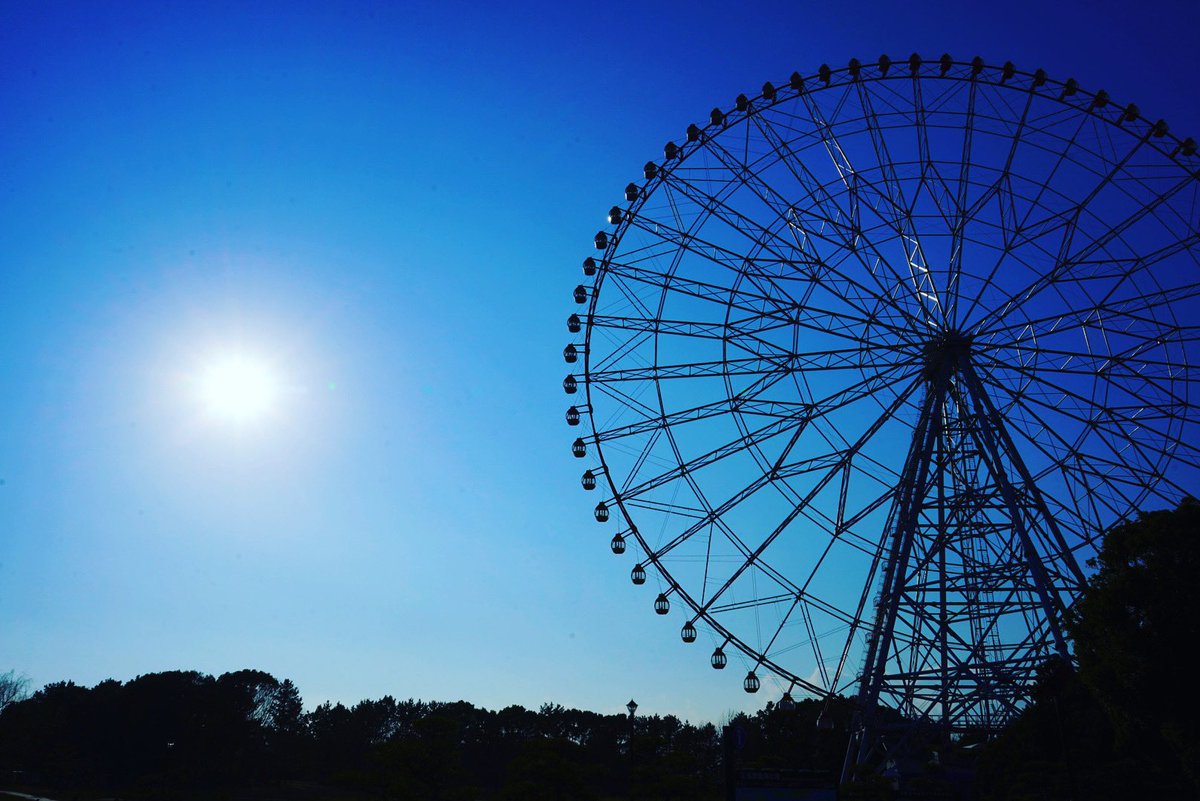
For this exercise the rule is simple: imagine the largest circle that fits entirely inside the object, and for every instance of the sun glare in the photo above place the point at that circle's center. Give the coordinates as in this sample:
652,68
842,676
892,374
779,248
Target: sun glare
238,388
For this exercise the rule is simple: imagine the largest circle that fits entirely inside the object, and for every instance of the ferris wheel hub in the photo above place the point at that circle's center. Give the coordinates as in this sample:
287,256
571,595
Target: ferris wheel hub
946,354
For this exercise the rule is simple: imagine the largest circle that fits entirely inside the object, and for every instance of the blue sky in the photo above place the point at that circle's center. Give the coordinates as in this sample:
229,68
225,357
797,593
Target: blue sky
390,204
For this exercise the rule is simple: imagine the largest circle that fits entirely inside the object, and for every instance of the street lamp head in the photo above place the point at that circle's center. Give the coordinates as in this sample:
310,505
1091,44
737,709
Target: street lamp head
632,707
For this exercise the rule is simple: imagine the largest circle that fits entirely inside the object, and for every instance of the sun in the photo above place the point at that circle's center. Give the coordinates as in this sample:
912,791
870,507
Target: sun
238,388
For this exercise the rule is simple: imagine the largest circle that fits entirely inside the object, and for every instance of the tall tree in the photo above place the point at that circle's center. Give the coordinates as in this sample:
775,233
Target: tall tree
12,688
1132,627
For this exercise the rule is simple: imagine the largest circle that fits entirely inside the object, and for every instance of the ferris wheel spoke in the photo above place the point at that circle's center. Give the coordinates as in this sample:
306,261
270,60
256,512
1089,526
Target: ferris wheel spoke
635,470
633,299
820,522
1061,157
842,527
1123,272
1083,496
789,211
1098,478
891,317
829,473
814,641
1118,370
1108,181
783,209
654,325
1138,309
818,320
749,339
768,648
1022,226
996,234
761,302
689,467
740,174
869,468
748,366
838,526
865,304
962,214
625,400
812,186
1131,417
1069,220
815,189
818,361
605,347
869,386
629,346
770,600
892,198
745,403
1087,424
795,602
1007,208
711,206
758,234
664,280
1064,265
831,462
717,294
682,242
920,123
1111,471
1138,413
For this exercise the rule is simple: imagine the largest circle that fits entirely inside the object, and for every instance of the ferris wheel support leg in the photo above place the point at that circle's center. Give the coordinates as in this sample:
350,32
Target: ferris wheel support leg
912,486
1050,598
975,387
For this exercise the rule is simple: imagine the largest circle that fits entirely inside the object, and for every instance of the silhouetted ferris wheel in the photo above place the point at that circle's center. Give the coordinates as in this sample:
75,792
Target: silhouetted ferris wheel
867,363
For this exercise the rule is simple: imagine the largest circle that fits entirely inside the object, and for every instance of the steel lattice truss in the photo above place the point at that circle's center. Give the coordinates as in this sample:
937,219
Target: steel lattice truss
869,362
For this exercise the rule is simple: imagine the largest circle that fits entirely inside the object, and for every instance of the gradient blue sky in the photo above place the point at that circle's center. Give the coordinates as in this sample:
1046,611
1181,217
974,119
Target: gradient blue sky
389,201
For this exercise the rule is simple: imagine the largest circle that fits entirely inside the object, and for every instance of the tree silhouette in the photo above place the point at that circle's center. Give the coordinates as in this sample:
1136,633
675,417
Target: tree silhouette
1129,628
1123,725
12,688
188,735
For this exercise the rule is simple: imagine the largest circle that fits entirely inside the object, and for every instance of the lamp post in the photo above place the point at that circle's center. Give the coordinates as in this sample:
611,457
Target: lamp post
632,707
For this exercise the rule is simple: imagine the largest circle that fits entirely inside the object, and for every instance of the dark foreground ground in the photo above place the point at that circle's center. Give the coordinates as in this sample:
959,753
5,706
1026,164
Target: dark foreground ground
283,791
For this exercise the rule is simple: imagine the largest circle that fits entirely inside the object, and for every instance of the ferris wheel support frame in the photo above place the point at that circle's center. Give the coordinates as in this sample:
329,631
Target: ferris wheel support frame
948,369
1015,464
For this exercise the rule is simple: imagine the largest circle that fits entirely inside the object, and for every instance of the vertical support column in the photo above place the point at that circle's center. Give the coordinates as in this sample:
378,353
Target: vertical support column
943,612
905,513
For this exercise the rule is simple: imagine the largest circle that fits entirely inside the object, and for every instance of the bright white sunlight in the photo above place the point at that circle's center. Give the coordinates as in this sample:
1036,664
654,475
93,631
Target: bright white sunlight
238,388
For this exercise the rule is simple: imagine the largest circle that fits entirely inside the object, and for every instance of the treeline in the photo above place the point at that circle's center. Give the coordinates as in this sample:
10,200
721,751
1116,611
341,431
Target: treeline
183,733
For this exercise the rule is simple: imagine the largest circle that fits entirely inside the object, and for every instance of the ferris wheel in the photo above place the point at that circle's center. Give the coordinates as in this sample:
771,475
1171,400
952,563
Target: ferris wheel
866,364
